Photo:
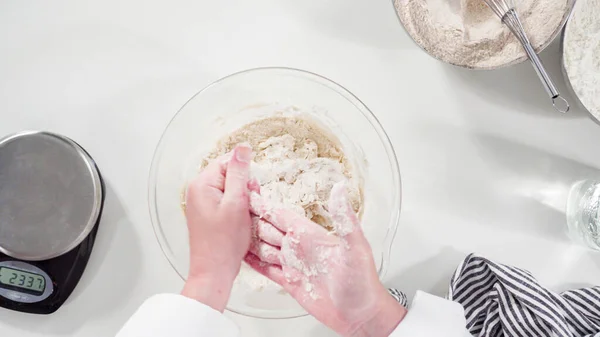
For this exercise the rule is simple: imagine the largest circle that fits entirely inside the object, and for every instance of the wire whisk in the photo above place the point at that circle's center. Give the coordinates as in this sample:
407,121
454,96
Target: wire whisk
505,10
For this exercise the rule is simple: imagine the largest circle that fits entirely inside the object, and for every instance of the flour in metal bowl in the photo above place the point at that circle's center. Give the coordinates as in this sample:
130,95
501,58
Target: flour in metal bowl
467,33
581,54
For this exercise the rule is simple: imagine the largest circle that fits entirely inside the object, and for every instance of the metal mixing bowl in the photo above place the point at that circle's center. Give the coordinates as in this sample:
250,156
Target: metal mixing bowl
565,73
513,62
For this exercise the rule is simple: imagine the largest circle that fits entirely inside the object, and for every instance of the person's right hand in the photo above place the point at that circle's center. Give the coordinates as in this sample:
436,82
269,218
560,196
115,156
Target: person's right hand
219,225
331,275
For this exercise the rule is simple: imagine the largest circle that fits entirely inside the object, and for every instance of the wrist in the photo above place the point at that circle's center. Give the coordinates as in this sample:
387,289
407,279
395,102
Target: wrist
212,290
386,318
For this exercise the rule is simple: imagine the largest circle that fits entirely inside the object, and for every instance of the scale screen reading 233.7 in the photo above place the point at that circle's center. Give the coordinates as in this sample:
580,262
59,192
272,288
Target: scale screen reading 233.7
23,281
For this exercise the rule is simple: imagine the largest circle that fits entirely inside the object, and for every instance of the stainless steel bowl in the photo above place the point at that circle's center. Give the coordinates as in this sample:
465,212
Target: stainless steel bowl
50,192
517,61
565,74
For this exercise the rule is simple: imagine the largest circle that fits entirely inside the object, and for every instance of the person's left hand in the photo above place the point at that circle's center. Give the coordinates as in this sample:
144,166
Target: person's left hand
331,274
219,224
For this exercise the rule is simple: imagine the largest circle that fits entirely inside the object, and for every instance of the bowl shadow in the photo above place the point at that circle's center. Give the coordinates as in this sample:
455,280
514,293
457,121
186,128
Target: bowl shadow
372,23
538,184
518,88
499,182
436,271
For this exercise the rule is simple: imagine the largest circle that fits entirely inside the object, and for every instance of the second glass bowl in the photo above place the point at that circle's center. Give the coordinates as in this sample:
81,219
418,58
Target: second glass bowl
240,98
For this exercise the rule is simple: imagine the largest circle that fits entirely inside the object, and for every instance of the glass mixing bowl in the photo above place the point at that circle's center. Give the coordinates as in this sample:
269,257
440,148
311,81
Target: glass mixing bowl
232,102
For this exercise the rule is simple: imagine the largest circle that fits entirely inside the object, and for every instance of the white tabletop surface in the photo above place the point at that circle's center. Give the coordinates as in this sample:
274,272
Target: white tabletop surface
485,161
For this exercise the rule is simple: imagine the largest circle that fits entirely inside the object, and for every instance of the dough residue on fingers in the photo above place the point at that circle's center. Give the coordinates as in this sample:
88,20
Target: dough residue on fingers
296,162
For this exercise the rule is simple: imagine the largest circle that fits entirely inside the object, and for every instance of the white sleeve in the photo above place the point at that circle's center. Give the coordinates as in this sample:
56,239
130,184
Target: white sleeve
168,315
432,316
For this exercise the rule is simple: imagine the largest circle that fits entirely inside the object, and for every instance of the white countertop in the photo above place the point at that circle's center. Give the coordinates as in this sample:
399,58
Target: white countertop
485,161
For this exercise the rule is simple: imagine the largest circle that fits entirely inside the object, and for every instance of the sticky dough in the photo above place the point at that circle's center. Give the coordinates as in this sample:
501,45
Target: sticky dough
296,162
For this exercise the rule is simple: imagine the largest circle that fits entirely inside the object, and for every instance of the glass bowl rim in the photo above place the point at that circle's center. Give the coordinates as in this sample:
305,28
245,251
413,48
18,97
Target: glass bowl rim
330,84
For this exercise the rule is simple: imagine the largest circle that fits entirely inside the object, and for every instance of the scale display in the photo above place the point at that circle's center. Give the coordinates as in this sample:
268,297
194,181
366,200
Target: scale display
15,279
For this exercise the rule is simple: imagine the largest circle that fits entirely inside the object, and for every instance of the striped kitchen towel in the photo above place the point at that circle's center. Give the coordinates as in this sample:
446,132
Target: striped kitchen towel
501,300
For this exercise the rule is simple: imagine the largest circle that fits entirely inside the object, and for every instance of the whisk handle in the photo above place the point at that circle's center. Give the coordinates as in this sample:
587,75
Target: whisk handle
559,103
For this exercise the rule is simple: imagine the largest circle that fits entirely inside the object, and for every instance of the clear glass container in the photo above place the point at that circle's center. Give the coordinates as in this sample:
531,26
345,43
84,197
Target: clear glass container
582,213
240,98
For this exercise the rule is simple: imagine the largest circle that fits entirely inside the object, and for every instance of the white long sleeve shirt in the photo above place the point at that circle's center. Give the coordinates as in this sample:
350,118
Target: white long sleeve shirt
168,315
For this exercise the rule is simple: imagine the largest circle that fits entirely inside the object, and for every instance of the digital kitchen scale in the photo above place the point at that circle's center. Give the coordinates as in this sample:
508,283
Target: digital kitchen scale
51,199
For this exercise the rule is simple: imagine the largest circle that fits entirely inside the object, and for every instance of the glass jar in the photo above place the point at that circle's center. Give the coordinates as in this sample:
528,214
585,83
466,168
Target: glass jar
582,213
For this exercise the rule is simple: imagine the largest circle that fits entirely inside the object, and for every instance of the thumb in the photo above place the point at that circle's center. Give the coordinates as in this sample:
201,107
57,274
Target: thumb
345,221
238,174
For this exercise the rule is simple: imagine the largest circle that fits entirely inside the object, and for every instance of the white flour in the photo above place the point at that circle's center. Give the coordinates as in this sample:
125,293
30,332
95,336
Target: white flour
297,162
582,53
296,177
468,33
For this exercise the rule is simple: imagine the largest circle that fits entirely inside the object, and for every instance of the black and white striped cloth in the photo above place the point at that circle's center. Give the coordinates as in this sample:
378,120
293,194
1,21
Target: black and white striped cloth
501,300
399,296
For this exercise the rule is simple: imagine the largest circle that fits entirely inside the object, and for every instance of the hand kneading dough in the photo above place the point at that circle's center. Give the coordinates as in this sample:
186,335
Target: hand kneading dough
296,162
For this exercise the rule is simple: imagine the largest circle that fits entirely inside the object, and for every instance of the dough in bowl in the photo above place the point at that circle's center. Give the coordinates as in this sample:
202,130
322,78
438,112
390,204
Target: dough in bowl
296,163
